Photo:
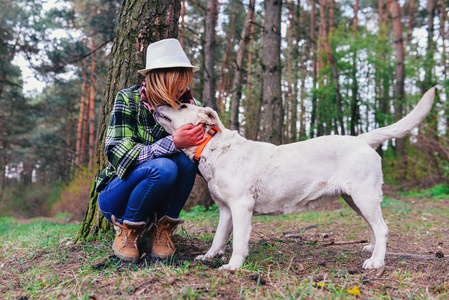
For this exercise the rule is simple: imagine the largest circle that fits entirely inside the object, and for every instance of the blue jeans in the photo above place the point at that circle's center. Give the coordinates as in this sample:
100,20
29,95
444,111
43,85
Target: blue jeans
161,185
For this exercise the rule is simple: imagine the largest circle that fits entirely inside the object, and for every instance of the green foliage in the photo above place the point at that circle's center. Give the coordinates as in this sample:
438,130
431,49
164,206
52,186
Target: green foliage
74,196
437,192
30,200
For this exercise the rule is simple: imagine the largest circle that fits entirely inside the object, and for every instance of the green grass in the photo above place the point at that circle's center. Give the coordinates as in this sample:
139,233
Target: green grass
437,192
38,259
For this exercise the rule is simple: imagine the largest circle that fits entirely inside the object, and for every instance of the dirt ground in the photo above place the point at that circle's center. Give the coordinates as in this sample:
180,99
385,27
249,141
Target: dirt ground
322,259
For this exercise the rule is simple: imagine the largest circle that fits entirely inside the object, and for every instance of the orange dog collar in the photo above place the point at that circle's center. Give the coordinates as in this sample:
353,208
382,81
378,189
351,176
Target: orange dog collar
210,134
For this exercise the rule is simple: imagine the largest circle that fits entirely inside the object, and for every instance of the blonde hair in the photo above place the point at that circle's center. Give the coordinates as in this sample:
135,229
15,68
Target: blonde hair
162,85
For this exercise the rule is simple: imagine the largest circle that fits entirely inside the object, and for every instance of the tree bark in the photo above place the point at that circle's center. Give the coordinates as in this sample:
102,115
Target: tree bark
140,23
444,58
272,110
92,108
238,74
382,81
429,64
330,57
410,21
79,129
182,29
313,116
225,71
401,144
209,56
355,114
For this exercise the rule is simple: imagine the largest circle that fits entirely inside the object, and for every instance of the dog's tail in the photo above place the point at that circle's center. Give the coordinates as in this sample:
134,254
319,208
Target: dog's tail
402,127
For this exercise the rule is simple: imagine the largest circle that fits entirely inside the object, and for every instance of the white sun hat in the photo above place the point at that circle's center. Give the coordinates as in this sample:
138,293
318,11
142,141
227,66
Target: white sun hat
166,53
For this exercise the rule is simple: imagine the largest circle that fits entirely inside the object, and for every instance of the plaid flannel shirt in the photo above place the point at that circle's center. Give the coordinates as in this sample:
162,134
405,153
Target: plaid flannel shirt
132,136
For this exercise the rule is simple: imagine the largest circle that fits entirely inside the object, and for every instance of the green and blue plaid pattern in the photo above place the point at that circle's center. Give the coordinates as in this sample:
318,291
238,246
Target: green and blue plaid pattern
132,136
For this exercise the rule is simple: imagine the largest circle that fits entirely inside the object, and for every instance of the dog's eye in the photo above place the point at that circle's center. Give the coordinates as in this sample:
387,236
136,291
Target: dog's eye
183,106
210,116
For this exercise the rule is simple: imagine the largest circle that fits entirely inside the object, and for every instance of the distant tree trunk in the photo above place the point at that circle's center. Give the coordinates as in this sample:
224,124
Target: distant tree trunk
395,13
84,132
209,56
401,144
355,115
253,98
226,68
382,78
272,110
429,63
182,29
291,110
250,55
92,95
79,128
410,21
156,19
300,57
238,74
444,58
313,116
68,145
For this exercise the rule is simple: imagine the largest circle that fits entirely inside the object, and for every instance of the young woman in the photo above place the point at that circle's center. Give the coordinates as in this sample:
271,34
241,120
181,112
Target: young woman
147,174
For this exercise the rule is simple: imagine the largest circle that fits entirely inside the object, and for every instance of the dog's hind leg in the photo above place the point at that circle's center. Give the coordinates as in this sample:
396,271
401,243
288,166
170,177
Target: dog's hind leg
350,202
370,209
224,229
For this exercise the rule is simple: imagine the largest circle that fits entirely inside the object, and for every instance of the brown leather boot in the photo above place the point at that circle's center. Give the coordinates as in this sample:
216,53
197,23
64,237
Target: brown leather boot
161,237
127,239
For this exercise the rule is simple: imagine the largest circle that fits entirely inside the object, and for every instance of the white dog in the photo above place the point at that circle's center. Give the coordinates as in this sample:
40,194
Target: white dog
247,177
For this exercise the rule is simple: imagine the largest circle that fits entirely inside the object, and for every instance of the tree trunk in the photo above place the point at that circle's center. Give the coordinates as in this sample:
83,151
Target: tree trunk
331,59
238,74
410,21
272,110
84,132
355,115
429,64
313,116
225,68
250,55
401,144
382,80
288,75
92,109
140,23
79,129
444,59
182,29
209,56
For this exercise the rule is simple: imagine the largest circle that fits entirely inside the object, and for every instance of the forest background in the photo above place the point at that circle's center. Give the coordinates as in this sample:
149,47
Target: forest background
334,67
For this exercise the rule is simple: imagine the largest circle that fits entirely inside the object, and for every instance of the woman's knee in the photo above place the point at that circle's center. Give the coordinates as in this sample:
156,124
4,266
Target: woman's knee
162,168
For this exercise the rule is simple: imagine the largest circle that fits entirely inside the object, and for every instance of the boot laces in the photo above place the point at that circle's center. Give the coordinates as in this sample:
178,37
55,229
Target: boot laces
164,234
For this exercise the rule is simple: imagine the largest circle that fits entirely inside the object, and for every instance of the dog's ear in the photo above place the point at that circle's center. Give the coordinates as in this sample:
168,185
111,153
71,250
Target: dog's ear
210,117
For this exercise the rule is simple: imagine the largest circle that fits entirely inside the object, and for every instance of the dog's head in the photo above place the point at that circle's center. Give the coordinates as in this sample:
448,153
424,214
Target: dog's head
172,119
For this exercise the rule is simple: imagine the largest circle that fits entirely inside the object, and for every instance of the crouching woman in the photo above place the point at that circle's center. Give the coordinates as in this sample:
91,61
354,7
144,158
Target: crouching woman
147,175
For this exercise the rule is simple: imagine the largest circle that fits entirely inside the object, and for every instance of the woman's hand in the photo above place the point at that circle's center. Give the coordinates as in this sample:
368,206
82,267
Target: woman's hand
188,136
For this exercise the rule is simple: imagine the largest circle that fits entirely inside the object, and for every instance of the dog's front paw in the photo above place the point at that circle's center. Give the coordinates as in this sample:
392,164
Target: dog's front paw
209,254
373,264
369,248
202,257
228,267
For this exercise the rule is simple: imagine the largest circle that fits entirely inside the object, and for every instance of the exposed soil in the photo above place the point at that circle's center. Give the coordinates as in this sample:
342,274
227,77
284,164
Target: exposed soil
282,253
